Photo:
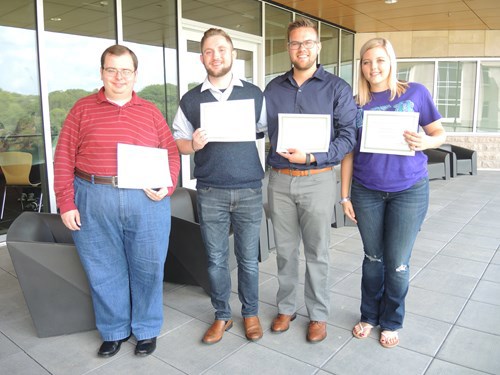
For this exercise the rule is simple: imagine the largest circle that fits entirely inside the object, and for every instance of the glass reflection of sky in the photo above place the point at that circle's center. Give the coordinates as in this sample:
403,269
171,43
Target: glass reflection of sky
72,62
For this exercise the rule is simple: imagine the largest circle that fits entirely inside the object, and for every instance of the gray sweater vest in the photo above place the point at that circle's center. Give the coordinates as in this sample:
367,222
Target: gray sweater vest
226,165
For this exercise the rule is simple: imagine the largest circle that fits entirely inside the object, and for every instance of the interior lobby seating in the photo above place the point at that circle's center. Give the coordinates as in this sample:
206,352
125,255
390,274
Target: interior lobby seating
16,168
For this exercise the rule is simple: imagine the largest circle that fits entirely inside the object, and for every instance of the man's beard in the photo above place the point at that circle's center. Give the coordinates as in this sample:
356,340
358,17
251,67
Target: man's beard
304,65
219,73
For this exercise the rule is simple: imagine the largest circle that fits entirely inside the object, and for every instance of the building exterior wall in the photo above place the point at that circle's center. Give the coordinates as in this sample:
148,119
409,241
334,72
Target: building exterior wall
449,44
486,146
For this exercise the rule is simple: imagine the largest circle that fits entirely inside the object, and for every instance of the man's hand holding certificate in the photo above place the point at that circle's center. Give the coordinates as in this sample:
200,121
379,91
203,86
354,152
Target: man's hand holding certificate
383,132
142,167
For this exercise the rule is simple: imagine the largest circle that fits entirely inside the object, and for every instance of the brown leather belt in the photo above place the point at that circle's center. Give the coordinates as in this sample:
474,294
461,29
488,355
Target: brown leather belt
101,180
299,173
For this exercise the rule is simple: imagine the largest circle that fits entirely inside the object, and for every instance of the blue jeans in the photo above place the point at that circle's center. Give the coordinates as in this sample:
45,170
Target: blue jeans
239,209
123,243
388,224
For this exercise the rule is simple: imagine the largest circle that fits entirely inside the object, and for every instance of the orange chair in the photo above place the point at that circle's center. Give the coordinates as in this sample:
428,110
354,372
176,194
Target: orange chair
16,167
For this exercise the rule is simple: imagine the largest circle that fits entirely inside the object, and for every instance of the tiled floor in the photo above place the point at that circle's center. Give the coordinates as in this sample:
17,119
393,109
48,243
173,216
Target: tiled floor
452,324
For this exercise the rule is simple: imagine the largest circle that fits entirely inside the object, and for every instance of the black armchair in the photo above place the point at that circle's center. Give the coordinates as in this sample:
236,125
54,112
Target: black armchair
51,275
186,260
438,164
463,160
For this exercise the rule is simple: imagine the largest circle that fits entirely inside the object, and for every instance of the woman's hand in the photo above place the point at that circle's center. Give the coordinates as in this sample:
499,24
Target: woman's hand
349,211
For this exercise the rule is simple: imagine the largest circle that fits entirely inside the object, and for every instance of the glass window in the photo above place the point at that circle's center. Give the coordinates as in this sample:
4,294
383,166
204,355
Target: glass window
241,15
329,57
21,128
489,98
277,59
455,94
347,56
421,72
150,31
76,35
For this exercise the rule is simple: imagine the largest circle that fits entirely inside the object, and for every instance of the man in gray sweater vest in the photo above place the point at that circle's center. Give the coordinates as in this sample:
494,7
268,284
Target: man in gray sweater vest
229,184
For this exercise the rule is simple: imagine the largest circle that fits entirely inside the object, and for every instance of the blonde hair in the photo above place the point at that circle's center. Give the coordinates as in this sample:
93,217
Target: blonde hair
397,87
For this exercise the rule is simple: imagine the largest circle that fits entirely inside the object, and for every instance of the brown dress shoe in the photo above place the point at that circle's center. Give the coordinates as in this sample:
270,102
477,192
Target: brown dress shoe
316,331
282,322
253,329
216,330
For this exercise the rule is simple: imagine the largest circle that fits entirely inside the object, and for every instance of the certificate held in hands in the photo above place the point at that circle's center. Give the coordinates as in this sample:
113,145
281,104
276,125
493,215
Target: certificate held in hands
383,132
229,121
307,133
141,167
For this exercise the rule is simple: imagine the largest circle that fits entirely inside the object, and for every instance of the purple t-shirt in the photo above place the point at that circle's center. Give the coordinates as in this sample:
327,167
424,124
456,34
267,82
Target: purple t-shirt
391,173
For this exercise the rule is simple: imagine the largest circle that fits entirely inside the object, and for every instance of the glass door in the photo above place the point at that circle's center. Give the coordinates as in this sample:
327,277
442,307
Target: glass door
247,66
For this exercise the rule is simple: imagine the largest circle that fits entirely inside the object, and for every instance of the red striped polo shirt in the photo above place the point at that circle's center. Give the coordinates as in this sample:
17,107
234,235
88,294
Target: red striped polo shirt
90,134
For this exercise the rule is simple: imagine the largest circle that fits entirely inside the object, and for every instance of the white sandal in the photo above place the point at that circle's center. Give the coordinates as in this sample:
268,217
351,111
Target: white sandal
389,339
362,330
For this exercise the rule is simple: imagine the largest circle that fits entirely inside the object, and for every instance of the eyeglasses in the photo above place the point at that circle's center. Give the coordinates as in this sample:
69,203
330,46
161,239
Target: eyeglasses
126,73
306,43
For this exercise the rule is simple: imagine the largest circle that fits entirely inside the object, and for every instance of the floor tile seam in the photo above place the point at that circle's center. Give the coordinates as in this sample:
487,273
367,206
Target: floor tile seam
341,279
25,353
441,293
185,313
268,274
449,294
457,319
165,333
9,273
433,268
453,323
477,330
457,364
464,366
285,354
335,353
222,359
346,295
167,363
486,261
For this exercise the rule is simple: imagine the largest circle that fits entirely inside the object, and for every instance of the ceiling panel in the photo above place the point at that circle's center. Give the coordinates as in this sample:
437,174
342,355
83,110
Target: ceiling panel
366,16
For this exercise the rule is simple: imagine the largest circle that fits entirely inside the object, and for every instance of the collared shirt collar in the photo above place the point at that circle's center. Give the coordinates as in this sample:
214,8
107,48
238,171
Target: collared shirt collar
318,74
217,93
101,97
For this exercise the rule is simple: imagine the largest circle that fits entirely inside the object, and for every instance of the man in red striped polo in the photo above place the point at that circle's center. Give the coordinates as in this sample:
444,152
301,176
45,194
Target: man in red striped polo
121,234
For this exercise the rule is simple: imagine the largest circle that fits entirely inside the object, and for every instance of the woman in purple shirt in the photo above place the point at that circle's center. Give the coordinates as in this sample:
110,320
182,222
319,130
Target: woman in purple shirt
389,193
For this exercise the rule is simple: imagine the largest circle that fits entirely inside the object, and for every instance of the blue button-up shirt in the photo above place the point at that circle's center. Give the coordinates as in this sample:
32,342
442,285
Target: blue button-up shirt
323,93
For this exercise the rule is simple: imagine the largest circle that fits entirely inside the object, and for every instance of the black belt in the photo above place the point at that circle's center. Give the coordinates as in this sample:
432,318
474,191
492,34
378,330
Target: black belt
101,180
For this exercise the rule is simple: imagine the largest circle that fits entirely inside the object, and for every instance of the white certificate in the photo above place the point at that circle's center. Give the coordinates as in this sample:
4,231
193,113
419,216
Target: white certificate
142,167
383,132
229,121
308,133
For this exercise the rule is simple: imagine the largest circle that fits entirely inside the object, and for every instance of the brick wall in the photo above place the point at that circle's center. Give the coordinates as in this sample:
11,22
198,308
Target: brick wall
487,147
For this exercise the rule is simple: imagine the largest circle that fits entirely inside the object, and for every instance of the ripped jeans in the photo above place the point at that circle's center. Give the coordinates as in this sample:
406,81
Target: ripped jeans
388,223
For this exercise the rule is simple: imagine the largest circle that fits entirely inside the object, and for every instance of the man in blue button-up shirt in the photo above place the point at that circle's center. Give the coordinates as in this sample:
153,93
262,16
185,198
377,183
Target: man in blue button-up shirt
301,184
